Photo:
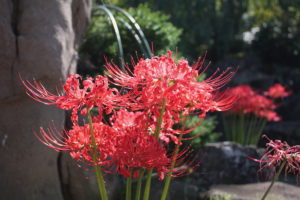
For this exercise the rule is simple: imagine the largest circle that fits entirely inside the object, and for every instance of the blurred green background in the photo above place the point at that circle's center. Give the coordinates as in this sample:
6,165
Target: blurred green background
259,37
227,29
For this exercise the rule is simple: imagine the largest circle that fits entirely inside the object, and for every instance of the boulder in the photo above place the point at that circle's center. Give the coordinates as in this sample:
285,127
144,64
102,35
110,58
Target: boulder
220,163
39,39
226,163
253,191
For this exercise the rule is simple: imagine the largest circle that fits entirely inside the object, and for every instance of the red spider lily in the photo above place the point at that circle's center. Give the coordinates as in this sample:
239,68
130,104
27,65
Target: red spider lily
79,143
75,96
123,119
279,152
249,101
137,149
161,78
278,91
159,93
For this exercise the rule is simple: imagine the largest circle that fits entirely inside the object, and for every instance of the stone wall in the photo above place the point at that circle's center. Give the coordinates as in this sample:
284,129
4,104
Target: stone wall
38,39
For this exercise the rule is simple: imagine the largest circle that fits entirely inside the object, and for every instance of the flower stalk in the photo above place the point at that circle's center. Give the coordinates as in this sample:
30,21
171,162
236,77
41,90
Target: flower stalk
275,178
169,177
156,134
148,185
160,119
99,174
139,184
128,186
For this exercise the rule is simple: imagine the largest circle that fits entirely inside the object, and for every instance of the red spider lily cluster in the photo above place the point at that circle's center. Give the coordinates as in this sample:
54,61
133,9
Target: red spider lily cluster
154,97
278,153
277,91
250,101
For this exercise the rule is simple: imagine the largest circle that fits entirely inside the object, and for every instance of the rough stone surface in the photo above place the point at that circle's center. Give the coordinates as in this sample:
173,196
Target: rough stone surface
180,189
38,40
254,191
79,183
221,163
226,162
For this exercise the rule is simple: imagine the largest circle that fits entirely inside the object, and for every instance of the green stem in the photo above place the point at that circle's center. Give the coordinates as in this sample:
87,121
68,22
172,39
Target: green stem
99,175
234,127
166,188
273,180
169,177
241,131
148,185
160,119
139,184
250,123
260,127
156,134
128,187
254,131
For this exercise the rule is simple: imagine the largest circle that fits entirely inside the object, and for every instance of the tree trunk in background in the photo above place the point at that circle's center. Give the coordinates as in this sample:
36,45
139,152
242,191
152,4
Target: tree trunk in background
38,39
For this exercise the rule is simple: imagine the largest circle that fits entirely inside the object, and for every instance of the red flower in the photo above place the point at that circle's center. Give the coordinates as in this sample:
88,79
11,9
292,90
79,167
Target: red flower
78,142
277,91
279,152
137,149
123,119
134,140
249,101
159,78
92,92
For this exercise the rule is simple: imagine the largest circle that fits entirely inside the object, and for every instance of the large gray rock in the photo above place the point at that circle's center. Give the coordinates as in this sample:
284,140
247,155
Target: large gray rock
38,40
254,191
227,163
220,163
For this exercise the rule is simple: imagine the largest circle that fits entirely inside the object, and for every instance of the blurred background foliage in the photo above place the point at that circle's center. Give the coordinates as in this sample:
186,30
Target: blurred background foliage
202,134
262,37
226,29
101,41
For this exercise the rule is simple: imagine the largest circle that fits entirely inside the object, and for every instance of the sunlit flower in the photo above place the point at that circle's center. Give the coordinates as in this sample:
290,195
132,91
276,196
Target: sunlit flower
155,97
137,149
160,79
79,143
76,96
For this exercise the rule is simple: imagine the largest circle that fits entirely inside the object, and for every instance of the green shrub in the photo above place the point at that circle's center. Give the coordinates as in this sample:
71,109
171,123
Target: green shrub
100,40
203,133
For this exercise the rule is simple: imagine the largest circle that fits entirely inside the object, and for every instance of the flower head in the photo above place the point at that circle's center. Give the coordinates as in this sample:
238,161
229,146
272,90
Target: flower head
249,101
162,78
159,93
279,152
278,91
79,143
76,96
137,149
